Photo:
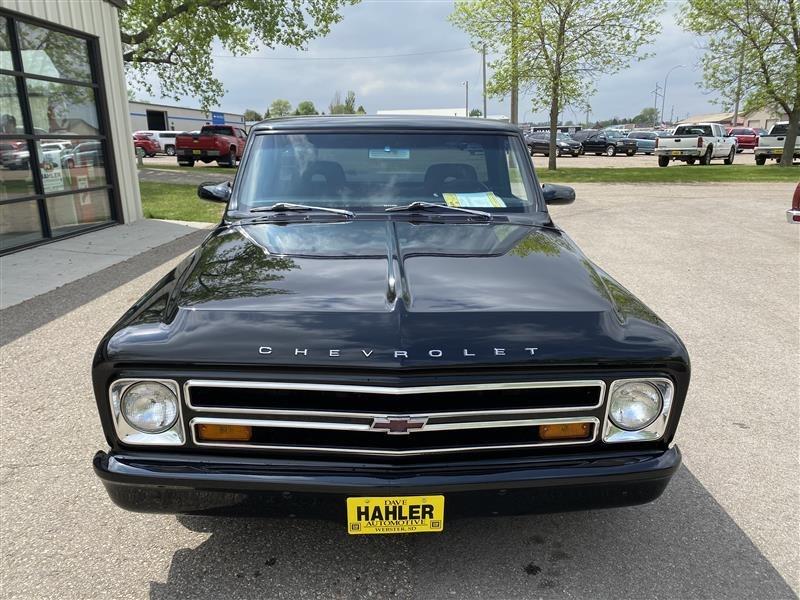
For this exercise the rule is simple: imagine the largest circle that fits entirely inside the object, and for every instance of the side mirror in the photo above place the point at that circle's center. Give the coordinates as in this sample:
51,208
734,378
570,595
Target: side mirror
558,194
213,191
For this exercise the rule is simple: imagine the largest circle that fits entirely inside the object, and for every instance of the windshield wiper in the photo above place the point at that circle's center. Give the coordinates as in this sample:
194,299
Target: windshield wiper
414,206
288,206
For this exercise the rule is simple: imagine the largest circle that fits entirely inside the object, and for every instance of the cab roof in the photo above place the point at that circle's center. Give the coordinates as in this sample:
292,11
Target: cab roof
381,122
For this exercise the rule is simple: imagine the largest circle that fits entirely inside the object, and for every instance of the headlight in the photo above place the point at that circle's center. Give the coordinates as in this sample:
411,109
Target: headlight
149,407
634,405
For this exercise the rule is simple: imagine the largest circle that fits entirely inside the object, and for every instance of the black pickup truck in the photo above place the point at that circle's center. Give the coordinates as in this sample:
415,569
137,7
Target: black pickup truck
388,329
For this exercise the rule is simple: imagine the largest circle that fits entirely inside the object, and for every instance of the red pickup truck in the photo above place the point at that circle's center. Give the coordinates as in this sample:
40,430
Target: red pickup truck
221,143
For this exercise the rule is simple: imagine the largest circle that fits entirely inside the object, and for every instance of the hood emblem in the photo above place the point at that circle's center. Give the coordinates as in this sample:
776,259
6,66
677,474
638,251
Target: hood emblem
398,425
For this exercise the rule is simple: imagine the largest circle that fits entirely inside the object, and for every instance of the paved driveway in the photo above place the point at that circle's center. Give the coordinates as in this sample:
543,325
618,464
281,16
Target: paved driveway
719,264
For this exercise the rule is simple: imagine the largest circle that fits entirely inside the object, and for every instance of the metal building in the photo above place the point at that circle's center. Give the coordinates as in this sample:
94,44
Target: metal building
160,117
67,164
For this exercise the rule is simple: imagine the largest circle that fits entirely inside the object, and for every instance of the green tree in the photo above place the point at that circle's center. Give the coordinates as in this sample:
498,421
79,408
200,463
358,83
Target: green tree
251,115
475,112
171,40
280,108
306,107
648,116
752,52
348,107
556,49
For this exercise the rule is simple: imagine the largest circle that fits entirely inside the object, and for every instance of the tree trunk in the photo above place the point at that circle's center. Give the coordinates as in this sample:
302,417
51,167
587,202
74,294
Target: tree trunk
514,117
791,138
551,163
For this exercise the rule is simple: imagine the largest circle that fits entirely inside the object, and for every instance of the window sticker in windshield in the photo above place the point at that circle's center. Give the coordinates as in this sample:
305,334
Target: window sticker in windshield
474,200
390,153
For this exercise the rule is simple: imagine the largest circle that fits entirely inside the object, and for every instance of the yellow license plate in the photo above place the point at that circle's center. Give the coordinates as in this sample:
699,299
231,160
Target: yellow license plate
196,152
676,153
396,514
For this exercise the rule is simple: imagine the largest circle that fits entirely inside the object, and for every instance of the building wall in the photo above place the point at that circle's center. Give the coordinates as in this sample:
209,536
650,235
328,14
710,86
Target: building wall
763,118
178,119
99,18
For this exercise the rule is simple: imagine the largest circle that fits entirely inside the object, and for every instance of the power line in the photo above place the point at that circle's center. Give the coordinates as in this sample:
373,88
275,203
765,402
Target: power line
371,57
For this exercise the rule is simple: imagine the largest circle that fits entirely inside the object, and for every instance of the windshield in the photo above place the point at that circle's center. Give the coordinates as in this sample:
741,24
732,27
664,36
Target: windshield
693,130
370,172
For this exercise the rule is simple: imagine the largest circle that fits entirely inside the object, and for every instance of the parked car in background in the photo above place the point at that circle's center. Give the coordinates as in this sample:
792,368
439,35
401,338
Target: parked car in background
606,142
771,145
166,139
793,214
20,158
539,143
86,154
221,143
696,142
148,144
746,138
645,141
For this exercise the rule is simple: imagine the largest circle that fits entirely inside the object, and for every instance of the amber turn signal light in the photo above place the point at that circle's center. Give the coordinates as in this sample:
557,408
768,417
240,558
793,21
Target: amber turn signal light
224,433
565,431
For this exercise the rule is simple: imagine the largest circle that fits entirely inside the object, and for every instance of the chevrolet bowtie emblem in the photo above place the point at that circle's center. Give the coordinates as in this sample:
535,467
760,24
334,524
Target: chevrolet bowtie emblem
398,425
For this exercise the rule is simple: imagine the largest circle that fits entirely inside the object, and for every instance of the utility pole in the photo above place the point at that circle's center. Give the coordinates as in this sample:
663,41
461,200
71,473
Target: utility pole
483,52
514,74
671,114
656,94
466,97
664,91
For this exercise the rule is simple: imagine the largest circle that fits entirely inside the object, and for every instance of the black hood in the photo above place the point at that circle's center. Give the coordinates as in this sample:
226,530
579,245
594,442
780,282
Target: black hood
388,294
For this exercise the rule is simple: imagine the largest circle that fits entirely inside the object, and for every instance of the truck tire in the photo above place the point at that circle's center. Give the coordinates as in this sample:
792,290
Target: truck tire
706,158
691,160
230,160
186,163
169,150
611,150
761,160
731,156
663,161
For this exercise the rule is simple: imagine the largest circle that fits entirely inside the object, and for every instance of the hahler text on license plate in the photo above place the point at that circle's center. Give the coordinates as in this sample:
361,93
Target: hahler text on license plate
398,514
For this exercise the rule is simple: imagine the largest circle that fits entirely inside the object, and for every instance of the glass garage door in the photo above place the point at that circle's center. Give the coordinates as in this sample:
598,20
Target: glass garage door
54,176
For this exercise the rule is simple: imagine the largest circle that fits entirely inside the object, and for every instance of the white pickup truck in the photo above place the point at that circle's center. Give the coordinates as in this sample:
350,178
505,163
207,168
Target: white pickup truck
696,142
771,145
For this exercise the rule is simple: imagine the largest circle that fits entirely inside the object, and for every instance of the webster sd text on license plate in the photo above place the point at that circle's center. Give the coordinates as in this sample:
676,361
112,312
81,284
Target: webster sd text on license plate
397,514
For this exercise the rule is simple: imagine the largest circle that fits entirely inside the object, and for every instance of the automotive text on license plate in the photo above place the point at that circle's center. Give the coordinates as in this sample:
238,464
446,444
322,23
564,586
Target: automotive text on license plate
196,152
676,152
396,514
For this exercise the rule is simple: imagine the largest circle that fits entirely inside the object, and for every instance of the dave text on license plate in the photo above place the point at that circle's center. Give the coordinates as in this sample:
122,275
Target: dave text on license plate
398,514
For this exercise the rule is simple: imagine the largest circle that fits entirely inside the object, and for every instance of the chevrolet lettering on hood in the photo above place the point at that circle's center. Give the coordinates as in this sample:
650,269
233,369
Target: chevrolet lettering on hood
388,329
369,352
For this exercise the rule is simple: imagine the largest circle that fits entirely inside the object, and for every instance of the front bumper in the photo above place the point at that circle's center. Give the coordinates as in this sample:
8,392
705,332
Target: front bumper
180,483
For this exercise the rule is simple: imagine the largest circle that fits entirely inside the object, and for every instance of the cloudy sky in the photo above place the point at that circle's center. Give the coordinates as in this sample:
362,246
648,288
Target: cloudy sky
381,29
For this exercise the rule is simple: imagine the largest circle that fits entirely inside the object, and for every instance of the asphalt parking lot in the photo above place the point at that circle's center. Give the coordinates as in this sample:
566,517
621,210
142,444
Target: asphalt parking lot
718,262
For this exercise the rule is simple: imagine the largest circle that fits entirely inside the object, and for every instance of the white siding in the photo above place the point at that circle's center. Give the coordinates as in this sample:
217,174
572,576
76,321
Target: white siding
183,119
99,18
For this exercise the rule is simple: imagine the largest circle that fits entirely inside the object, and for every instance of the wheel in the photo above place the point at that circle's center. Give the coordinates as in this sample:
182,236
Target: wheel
761,160
611,150
706,158
170,150
186,163
230,160
691,160
631,152
731,156
663,161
